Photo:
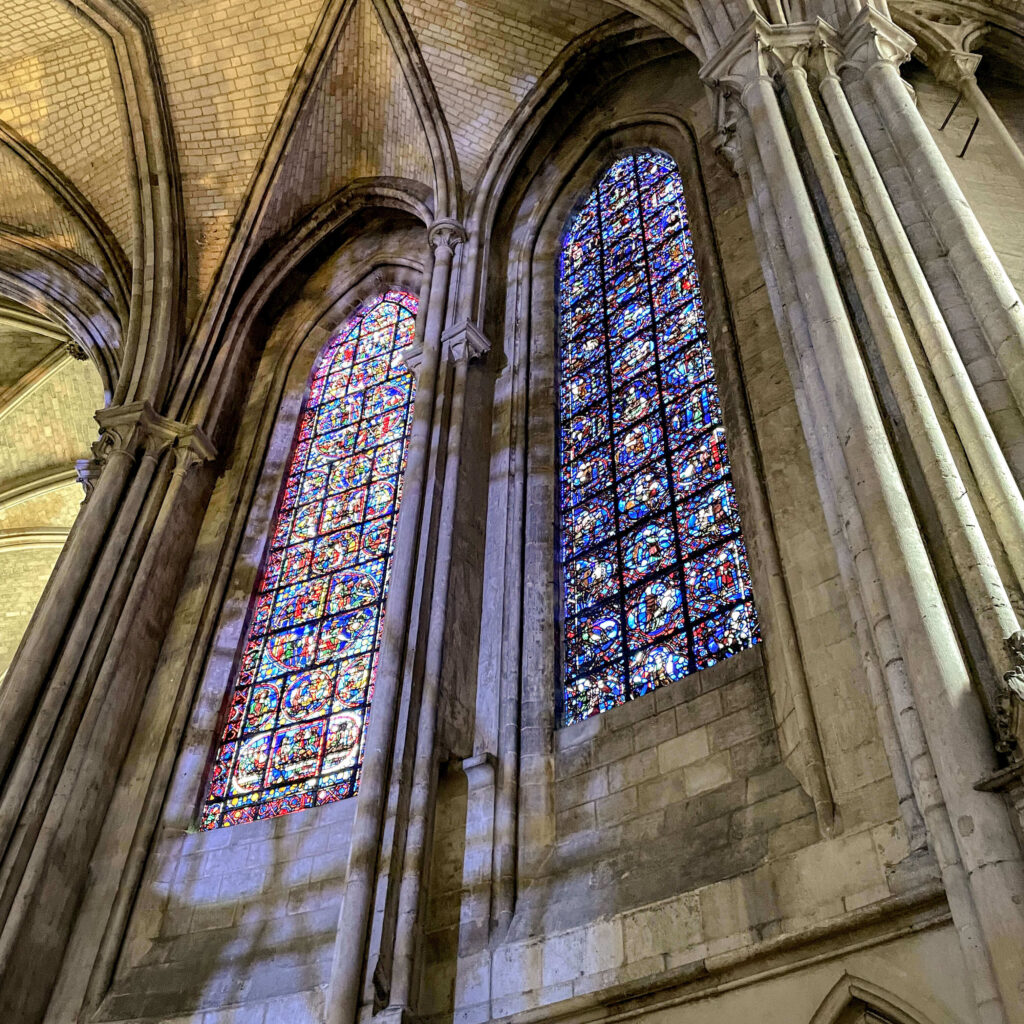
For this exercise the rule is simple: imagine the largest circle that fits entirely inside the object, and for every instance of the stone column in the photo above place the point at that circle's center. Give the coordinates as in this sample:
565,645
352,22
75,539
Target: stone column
114,453
983,891
987,461
63,777
462,343
874,47
989,602
353,924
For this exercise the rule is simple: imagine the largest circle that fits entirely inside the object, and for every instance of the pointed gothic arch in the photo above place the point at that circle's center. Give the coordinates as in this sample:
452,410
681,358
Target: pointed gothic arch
655,581
293,733
853,999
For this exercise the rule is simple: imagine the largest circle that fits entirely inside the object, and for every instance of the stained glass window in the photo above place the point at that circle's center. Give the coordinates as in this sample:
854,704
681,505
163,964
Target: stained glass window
297,715
655,577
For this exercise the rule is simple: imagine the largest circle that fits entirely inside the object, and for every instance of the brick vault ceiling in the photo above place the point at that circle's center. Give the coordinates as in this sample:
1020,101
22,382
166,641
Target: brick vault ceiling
226,66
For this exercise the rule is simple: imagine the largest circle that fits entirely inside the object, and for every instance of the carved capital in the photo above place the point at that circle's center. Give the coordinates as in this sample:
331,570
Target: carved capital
124,429
872,38
87,472
192,448
953,66
1010,699
136,427
464,341
446,234
412,356
743,59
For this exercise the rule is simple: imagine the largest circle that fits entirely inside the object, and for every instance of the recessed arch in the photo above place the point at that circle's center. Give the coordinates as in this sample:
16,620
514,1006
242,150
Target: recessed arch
852,992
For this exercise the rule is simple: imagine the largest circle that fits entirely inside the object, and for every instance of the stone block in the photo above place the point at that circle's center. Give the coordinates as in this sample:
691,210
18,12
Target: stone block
616,807
662,928
603,947
683,750
655,730
698,711
767,815
563,957
633,769
581,788
740,726
708,774
517,968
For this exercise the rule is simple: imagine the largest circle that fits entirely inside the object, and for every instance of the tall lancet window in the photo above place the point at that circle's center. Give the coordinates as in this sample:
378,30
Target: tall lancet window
297,715
655,577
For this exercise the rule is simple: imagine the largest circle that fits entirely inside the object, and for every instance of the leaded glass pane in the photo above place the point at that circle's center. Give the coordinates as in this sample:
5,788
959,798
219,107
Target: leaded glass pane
655,577
297,716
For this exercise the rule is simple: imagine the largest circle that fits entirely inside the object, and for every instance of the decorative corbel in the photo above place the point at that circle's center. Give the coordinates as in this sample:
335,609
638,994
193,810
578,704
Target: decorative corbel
743,59
73,349
192,448
464,341
952,67
87,472
412,356
1010,700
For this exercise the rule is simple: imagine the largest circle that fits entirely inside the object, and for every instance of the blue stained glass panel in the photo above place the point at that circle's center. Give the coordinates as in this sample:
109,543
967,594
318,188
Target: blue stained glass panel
296,718
654,569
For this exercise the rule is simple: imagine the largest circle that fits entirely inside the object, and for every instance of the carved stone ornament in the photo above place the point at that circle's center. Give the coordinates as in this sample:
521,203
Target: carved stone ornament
412,356
87,472
446,234
465,341
1010,699
872,38
953,66
137,428
73,349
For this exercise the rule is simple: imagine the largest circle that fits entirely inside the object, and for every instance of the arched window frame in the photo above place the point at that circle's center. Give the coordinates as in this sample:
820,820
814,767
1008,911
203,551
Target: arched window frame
519,679
281,735
676,503
262,457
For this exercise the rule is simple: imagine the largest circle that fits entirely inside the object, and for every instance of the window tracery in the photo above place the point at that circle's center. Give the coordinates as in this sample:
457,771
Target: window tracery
297,715
656,583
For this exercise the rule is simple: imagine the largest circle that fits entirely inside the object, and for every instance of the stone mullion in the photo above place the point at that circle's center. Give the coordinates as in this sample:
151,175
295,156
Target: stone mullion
951,717
393,859
461,344
347,968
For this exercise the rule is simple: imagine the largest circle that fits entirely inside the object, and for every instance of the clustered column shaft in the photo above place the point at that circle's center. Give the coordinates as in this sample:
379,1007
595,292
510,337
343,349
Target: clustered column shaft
934,705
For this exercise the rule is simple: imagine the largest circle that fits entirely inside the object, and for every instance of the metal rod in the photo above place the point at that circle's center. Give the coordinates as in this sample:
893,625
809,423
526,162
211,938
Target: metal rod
969,137
952,109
